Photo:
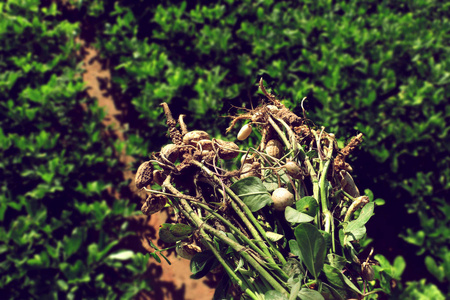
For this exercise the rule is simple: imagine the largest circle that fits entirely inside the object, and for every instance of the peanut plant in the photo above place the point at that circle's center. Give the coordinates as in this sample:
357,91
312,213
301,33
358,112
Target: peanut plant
286,224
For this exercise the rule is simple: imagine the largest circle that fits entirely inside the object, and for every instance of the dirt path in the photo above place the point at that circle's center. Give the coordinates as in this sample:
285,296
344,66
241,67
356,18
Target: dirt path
171,282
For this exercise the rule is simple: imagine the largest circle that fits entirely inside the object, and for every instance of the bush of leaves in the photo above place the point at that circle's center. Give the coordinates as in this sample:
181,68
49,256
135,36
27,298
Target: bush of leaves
60,230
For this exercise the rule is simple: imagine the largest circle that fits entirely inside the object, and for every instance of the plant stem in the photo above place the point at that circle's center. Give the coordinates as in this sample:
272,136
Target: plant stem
280,133
236,247
360,201
233,229
291,134
329,221
247,216
235,277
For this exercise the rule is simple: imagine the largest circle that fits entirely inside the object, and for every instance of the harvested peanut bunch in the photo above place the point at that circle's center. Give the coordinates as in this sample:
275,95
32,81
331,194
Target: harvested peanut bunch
284,215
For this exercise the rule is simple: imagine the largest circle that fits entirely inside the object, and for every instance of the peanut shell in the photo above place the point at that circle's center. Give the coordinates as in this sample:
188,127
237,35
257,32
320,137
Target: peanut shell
282,198
251,169
227,150
274,148
205,145
170,151
367,272
186,250
153,204
144,175
158,177
293,169
194,136
244,132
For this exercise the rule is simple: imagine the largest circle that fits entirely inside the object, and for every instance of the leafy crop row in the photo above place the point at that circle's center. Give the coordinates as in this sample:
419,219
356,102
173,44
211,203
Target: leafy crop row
60,229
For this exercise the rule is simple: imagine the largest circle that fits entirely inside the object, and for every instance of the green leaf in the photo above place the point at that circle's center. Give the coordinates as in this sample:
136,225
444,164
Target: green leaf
73,270
327,238
337,261
202,263
312,154
39,260
63,286
92,253
274,237
433,268
308,294
293,267
252,192
363,218
331,292
384,262
312,247
271,179
221,292
166,232
239,265
355,234
156,257
181,230
294,291
3,249
379,202
339,280
307,205
293,246
294,216
100,254
399,266
73,243
274,295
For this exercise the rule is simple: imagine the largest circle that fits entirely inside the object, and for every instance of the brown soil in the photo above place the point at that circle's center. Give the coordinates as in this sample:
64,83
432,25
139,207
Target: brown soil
171,282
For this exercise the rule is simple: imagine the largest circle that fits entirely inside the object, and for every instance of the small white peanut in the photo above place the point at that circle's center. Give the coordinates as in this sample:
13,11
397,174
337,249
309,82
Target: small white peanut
282,198
244,132
293,169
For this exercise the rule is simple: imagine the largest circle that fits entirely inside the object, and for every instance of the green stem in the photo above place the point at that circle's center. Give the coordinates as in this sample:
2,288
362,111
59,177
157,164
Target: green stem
256,224
316,188
247,216
291,134
235,277
323,188
234,230
362,200
280,133
252,282
236,247
329,222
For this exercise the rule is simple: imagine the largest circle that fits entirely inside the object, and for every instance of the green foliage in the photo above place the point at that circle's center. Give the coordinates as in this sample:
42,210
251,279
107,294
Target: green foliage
389,276
252,192
60,229
171,233
312,247
202,263
294,216
420,290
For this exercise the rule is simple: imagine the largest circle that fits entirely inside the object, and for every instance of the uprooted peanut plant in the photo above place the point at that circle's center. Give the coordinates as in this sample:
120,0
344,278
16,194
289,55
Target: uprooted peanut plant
285,223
